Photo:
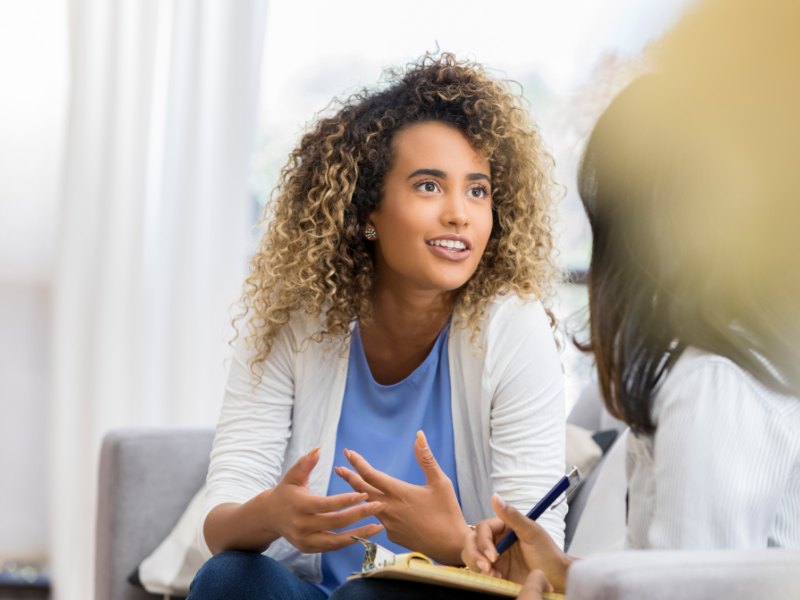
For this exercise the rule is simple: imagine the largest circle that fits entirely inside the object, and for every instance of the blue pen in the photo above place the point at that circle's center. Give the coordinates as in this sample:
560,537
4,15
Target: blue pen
567,484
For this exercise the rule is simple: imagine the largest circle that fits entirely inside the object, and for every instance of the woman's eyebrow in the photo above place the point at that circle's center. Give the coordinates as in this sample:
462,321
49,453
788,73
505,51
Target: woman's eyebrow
442,175
477,176
430,172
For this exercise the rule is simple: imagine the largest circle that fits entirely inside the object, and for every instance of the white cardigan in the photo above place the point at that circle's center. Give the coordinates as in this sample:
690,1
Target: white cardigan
507,404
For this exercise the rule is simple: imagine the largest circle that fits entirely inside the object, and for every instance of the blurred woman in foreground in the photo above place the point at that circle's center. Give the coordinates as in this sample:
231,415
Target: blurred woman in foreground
690,183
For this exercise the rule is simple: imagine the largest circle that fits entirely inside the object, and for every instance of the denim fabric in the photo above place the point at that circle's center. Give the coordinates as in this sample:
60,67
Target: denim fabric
249,576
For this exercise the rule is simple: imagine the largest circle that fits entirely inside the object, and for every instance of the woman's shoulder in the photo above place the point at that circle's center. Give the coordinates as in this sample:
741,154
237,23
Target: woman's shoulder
710,378
513,327
508,321
515,316
300,333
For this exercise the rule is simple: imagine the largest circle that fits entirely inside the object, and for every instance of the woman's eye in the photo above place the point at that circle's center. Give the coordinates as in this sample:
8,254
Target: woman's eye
429,187
477,192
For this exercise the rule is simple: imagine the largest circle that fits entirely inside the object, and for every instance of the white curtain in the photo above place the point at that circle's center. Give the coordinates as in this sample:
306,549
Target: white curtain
152,235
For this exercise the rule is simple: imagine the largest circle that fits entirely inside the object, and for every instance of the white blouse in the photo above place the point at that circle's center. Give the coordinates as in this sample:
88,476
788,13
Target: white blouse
507,398
723,468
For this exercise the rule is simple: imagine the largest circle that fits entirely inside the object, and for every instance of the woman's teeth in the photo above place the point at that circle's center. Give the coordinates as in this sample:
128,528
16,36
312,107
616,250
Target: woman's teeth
451,244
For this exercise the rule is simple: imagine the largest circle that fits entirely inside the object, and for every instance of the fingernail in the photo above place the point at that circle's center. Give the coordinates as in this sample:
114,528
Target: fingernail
423,441
483,566
495,556
500,502
310,454
347,453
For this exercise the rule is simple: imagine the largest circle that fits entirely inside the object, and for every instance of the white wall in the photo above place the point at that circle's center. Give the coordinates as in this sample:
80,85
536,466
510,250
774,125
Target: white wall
33,79
24,386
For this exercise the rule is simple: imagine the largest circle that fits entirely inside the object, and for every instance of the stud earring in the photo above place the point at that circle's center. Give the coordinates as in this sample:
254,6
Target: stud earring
370,234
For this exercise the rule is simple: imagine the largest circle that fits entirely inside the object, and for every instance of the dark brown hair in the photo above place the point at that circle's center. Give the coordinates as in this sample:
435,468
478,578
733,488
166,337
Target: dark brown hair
670,267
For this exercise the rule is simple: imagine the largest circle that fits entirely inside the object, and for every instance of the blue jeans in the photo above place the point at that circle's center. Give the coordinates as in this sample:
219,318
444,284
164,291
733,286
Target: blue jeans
249,576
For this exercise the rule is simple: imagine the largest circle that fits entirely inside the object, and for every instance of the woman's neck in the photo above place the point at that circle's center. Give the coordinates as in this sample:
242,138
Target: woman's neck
403,330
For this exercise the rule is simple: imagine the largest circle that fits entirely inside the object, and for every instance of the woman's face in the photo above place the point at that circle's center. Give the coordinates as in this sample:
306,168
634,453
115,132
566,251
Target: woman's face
435,216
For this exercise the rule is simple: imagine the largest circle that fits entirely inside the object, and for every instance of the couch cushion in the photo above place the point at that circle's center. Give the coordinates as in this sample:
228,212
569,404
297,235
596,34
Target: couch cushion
688,575
601,525
147,478
170,569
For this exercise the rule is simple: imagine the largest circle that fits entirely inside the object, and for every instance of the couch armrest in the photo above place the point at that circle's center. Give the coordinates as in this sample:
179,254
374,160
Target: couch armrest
689,575
147,478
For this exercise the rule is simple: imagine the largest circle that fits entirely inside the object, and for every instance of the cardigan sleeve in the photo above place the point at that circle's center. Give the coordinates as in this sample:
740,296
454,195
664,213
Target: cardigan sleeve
253,429
528,420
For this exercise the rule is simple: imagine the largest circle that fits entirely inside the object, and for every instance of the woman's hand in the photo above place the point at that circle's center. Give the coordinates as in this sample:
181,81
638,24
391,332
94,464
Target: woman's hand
424,518
306,521
534,550
289,510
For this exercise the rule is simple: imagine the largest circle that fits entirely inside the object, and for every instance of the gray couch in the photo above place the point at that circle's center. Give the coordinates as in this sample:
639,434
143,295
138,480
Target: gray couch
148,477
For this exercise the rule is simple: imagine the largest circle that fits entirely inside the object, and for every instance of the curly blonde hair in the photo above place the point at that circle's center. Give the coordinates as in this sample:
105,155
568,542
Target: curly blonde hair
313,256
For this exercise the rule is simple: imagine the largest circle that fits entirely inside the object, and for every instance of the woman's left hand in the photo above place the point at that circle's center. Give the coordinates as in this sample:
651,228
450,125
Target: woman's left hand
423,518
534,551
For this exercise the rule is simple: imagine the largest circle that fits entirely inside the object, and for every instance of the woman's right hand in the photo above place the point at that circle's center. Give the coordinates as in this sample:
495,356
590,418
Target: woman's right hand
289,510
534,550
307,521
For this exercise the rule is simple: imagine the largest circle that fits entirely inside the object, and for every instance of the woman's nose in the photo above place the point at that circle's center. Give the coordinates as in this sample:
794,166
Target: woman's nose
454,211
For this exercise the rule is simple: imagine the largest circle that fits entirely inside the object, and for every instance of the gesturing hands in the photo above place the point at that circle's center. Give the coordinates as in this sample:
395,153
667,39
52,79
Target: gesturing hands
306,521
424,518
534,560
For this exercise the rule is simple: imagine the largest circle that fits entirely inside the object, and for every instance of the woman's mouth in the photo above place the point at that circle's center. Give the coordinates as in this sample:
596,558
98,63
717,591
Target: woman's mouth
450,249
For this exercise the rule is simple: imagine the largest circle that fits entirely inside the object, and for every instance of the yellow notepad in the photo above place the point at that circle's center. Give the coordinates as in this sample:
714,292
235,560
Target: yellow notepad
380,563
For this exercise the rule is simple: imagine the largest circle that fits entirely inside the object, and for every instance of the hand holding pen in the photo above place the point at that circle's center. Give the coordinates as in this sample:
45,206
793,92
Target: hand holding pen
536,550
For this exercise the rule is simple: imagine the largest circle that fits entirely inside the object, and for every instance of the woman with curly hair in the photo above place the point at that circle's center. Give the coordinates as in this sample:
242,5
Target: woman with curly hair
398,289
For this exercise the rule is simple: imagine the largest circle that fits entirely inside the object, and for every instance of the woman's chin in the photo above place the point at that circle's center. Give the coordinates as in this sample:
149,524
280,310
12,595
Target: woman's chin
450,283
445,277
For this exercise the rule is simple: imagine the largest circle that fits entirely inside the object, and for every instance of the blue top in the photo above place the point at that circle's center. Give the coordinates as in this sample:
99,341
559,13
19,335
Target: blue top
380,422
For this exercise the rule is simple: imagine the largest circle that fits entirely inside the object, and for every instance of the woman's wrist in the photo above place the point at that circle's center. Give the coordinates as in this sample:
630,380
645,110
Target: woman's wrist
264,516
245,526
229,526
450,553
559,581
